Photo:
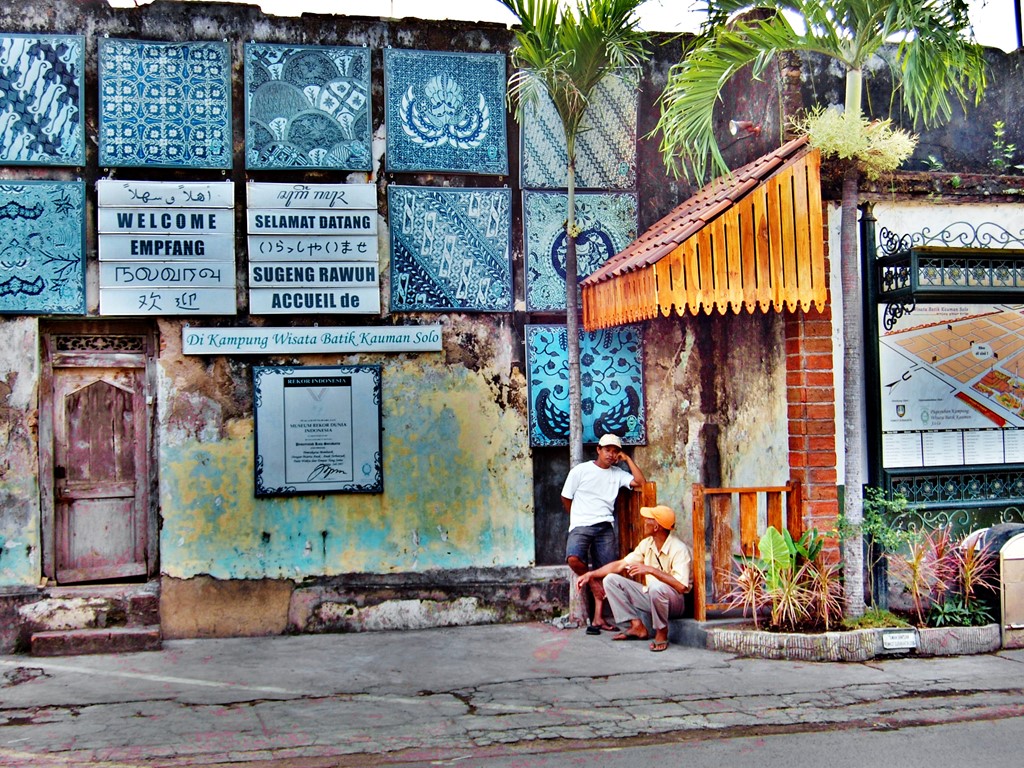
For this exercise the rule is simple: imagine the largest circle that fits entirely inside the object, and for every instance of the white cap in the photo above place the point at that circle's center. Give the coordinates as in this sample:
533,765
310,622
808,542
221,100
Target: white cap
610,439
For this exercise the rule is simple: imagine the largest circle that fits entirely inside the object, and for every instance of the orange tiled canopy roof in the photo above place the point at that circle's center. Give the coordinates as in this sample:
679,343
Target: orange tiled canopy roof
750,239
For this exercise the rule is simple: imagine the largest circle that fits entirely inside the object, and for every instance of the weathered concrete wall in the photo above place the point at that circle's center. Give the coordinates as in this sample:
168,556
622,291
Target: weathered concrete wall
458,487
19,447
456,518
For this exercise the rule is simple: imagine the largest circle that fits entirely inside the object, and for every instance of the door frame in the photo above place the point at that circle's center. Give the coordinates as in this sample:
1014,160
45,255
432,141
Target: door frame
117,344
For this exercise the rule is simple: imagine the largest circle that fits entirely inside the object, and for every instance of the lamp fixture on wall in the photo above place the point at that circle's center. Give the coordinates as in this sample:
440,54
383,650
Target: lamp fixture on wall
744,127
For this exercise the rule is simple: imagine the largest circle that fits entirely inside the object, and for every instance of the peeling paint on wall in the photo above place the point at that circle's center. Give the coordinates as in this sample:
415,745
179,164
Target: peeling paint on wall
458,491
19,489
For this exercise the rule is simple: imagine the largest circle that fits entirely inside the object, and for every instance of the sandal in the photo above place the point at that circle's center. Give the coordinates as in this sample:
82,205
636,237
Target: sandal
628,636
659,645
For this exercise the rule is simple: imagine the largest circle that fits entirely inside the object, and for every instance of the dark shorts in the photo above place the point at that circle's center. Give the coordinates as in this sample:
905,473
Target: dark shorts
593,544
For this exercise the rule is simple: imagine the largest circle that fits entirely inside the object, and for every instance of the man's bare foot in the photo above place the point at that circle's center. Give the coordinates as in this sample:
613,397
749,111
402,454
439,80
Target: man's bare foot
636,631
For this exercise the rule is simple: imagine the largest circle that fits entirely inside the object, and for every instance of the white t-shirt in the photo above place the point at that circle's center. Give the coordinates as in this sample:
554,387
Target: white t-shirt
593,492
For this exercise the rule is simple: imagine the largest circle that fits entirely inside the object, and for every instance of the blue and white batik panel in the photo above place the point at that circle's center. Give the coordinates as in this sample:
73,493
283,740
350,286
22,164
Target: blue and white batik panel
607,223
611,378
165,104
307,107
42,247
450,249
42,113
445,112
605,146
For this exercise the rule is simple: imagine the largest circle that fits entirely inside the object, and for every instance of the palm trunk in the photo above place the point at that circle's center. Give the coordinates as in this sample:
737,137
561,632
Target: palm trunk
572,325
854,425
577,600
853,393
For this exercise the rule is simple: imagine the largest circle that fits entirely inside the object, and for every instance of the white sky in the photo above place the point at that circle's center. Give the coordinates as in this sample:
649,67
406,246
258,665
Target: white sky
993,19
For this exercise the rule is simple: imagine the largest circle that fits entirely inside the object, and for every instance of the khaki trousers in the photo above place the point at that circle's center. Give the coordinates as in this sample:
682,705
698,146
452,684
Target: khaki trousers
628,600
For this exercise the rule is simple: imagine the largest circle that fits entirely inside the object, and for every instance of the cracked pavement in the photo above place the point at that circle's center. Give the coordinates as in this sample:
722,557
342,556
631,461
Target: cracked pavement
420,696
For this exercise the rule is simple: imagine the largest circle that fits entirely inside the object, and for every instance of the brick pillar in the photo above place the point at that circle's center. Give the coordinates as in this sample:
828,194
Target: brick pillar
811,400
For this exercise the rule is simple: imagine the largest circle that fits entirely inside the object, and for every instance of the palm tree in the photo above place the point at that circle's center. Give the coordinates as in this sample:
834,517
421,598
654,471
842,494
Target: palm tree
934,61
564,53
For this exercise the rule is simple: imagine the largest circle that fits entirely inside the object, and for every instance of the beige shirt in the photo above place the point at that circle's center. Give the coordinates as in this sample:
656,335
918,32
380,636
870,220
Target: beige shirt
673,558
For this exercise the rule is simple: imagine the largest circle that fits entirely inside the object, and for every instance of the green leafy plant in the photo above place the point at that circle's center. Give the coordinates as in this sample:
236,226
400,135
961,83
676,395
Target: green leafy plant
826,594
953,611
789,579
924,569
1003,152
874,618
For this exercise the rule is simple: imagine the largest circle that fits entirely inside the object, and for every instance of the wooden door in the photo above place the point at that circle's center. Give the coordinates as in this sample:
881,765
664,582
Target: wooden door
100,466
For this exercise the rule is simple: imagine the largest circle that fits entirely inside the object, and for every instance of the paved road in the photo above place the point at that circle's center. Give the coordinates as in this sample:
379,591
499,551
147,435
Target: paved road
459,694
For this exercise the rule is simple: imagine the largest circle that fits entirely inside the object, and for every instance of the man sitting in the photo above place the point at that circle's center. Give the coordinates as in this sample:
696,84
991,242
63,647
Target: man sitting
663,559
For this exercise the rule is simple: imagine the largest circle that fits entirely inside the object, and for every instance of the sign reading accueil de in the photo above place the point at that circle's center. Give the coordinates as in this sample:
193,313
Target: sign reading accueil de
166,248
313,249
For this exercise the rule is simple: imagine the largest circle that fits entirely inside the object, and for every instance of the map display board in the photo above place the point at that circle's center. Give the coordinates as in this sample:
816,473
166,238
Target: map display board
952,386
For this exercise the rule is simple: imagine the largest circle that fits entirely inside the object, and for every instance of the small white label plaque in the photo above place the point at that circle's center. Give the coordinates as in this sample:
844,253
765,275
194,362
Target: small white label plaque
899,639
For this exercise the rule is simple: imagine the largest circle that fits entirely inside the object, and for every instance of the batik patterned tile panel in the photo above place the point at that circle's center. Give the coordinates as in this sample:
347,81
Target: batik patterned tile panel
612,384
450,249
165,104
607,222
42,115
42,247
445,112
605,146
307,107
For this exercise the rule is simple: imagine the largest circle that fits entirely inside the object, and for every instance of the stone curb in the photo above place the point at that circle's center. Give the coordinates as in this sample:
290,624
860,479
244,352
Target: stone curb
854,645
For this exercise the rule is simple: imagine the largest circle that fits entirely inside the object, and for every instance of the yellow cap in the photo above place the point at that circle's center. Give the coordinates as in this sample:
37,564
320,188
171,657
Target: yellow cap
662,515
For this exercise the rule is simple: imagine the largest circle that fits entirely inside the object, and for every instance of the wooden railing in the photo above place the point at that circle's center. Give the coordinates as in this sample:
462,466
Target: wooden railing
722,511
627,513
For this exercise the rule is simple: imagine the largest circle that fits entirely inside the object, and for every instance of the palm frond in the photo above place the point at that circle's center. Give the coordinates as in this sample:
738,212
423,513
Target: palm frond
936,62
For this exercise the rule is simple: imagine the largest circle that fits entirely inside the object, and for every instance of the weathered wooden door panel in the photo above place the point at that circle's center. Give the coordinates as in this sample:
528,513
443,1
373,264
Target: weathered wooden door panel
95,442
98,419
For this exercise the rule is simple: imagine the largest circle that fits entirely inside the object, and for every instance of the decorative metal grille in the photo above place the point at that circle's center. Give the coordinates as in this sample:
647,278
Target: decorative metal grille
963,501
89,343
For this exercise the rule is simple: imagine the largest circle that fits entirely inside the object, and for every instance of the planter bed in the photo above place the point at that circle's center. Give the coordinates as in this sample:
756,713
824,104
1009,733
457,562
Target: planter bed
853,645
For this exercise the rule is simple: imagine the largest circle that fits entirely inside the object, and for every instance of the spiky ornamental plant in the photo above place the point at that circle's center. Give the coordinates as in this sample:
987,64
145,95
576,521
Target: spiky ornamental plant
563,52
935,63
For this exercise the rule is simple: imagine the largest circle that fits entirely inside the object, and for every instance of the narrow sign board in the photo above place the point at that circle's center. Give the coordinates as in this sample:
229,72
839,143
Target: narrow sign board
179,220
335,275
312,196
265,221
167,301
316,248
198,274
137,247
326,340
163,194
308,301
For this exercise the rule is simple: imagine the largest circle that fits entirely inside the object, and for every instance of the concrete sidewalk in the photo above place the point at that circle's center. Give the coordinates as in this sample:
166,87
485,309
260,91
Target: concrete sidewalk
444,694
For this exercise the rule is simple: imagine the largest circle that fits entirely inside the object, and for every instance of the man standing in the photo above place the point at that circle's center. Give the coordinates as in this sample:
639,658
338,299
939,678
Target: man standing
663,559
589,495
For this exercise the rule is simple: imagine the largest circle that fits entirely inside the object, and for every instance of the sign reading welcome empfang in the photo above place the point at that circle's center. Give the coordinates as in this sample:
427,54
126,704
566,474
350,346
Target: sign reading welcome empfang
312,249
337,340
166,248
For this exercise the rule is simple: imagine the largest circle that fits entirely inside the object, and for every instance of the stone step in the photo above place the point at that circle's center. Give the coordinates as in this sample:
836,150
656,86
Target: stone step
73,642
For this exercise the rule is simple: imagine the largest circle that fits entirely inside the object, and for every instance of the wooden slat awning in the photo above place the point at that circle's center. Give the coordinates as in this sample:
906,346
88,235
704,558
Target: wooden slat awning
750,240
